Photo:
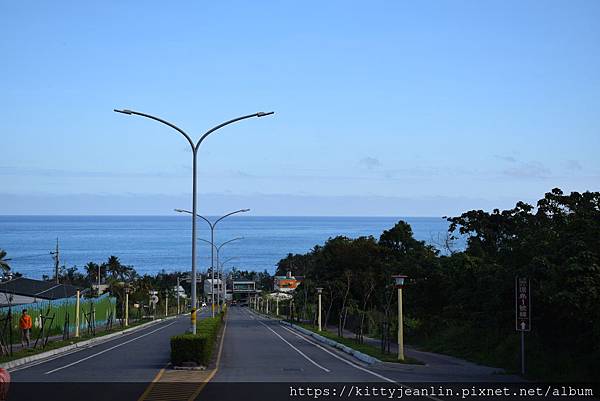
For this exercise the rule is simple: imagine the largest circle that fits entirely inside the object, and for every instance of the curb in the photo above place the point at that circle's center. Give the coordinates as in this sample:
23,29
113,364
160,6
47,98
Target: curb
357,354
81,344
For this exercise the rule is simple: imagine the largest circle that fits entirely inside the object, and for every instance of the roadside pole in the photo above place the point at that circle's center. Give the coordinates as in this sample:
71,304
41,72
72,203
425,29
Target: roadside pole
399,282
77,315
400,327
126,308
166,303
522,312
277,302
178,295
319,291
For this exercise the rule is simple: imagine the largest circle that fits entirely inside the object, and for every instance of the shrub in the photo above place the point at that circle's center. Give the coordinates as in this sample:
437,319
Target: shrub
196,348
190,348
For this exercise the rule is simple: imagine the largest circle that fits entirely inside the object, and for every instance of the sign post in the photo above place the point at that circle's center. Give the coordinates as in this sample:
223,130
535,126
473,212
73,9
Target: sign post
522,312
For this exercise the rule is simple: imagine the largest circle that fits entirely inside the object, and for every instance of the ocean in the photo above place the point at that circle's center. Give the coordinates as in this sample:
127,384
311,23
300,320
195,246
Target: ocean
154,243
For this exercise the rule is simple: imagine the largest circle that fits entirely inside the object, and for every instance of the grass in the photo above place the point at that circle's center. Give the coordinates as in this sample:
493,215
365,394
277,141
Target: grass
55,344
368,349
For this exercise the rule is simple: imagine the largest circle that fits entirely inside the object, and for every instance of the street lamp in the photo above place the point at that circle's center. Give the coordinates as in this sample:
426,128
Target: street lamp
319,291
218,248
195,147
127,290
212,241
399,281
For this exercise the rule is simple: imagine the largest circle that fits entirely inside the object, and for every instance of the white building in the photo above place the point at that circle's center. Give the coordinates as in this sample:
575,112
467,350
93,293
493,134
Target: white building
216,287
179,291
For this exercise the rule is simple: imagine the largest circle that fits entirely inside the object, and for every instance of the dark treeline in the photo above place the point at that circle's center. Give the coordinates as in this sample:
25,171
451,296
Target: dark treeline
463,302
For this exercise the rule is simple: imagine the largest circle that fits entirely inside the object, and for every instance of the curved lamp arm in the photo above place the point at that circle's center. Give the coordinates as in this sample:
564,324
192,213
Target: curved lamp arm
227,242
210,131
130,112
229,214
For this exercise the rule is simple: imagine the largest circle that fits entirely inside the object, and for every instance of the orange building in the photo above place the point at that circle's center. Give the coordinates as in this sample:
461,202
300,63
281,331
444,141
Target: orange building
287,283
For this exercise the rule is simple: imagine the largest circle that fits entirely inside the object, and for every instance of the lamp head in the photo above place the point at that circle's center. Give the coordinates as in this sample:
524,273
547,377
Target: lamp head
124,111
399,280
263,113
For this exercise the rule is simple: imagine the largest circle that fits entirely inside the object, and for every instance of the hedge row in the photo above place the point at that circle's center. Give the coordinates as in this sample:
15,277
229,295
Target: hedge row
197,347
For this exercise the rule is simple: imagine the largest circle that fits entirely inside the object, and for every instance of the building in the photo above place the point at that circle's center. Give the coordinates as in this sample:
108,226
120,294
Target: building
242,291
287,283
216,288
23,290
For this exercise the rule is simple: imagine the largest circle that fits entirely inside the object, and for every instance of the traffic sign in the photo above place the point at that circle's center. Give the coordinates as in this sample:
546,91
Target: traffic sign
188,277
522,304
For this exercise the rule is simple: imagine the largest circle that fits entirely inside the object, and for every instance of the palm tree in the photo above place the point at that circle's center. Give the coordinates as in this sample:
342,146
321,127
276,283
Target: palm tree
114,267
4,266
91,269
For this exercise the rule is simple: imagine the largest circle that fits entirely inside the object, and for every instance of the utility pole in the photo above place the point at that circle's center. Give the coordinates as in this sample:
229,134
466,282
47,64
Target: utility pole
55,256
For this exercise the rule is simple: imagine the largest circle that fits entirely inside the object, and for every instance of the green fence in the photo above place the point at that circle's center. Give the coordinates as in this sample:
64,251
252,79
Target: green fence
60,314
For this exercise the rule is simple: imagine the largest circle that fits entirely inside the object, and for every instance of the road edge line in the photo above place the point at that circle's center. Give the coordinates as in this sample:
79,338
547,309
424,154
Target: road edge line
78,346
350,351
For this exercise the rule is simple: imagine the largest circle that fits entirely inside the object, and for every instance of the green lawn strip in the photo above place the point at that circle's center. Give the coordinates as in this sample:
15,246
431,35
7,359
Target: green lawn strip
364,348
54,344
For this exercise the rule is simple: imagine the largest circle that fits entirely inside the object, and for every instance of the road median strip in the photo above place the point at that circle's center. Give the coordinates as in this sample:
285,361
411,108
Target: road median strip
189,382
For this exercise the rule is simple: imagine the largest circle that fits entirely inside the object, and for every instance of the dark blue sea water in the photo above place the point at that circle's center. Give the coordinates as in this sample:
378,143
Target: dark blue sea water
152,243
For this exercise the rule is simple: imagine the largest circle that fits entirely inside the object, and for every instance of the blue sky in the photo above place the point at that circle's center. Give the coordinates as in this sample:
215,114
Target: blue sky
382,107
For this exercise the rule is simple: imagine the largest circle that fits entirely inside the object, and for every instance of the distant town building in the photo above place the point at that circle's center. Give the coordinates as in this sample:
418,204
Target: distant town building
23,290
287,283
242,291
179,291
213,286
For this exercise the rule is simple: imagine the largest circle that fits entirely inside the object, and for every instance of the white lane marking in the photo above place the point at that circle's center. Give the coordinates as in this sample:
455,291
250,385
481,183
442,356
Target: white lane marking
351,363
296,349
63,354
106,350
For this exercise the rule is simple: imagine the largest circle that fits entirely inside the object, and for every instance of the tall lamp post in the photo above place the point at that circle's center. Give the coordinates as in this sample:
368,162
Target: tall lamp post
399,281
319,291
212,226
195,147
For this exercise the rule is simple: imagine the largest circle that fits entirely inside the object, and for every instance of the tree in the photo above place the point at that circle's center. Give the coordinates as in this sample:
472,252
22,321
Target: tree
92,269
4,266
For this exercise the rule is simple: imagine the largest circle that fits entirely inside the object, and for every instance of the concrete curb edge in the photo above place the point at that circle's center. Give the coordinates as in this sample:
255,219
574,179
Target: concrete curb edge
81,344
357,354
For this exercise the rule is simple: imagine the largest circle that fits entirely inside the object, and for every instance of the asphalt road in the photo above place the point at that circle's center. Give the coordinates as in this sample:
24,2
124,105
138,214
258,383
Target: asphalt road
259,349
260,357
120,368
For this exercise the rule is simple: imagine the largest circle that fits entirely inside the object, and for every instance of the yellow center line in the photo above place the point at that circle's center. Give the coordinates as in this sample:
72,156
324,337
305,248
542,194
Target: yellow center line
197,392
152,384
156,392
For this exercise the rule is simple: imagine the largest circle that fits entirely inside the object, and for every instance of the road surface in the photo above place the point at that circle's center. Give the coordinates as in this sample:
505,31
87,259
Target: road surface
122,366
